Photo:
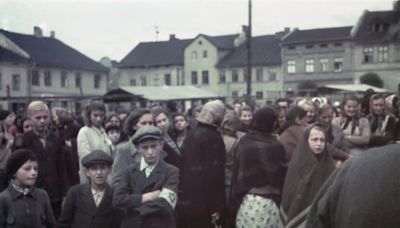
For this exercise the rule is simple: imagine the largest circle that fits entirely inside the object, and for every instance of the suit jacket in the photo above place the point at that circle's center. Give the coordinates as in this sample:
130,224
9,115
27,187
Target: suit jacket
52,173
80,210
132,183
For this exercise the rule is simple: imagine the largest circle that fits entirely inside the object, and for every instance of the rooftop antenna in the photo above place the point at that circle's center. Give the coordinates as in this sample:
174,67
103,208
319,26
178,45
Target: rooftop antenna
157,32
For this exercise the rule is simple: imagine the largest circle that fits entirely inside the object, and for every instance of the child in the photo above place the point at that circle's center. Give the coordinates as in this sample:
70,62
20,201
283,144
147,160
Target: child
89,204
22,204
114,135
147,190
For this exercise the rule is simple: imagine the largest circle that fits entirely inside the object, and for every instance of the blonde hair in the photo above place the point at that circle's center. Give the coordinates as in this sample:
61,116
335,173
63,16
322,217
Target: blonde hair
36,106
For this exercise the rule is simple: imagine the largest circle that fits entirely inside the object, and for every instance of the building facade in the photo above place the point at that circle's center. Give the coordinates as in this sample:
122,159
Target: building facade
316,57
376,44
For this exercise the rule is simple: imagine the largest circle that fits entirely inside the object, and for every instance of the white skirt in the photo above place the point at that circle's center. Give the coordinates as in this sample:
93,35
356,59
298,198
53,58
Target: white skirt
258,212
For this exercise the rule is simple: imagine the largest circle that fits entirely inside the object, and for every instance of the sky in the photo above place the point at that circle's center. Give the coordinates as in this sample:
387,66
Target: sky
112,28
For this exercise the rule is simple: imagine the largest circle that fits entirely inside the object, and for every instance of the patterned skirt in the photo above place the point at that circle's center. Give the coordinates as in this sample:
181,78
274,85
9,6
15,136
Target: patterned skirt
258,212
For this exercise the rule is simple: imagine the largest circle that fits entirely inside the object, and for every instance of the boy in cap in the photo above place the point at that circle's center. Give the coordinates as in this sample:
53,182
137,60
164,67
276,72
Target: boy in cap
89,204
22,204
147,189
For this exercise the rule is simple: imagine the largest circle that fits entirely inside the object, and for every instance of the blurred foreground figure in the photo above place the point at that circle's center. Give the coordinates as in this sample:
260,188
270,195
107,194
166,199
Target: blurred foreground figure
364,192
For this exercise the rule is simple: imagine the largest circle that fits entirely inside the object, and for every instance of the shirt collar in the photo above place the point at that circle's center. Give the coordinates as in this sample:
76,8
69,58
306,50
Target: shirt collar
144,164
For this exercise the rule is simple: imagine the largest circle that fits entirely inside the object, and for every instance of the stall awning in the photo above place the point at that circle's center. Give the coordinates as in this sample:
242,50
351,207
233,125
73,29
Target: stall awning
354,88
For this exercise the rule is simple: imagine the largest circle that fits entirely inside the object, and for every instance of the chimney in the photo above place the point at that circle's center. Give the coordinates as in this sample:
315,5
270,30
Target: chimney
37,31
286,30
241,37
172,37
396,5
52,34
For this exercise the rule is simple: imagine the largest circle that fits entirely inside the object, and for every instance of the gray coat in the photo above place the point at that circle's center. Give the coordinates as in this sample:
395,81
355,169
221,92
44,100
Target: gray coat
126,155
132,183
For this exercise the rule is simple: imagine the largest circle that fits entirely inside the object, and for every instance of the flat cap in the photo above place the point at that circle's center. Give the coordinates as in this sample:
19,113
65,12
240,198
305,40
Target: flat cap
146,132
95,157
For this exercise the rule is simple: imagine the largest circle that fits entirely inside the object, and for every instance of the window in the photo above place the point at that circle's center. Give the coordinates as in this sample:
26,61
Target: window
235,94
291,47
35,78
78,80
397,53
245,75
167,79
132,82
382,54
324,65
16,82
309,46
1,81
193,55
271,75
259,75
64,104
235,76
309,65
205,54
291,66
97,80
222,76
47,78
143,81
204,75
368,55
194,77
323,45
338,44
338,64
259,95
64,79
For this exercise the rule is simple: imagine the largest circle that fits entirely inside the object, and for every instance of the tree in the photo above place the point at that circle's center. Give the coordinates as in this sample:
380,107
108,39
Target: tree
372,79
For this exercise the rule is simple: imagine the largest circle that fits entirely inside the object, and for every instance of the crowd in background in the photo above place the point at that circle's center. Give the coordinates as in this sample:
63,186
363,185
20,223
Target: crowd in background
239,166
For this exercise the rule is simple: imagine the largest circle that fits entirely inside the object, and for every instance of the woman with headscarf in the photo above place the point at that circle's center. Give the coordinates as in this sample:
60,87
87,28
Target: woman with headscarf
202,200
383,125
308,169
296,122
356,129
258,174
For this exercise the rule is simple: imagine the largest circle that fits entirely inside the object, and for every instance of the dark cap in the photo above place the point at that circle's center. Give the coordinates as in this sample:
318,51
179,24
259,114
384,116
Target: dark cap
17,159
146,132
110,127
4,114
95,157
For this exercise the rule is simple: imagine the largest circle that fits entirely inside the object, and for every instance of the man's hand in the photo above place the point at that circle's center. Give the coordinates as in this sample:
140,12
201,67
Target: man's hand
150,196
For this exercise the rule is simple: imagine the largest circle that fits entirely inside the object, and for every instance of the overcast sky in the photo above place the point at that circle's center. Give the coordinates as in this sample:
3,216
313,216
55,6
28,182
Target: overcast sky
112,28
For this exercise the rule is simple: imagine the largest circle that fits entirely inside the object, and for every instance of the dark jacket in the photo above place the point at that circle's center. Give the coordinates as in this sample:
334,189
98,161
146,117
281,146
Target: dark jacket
363,192
19,211
202,183
52,173
259,161
132,183
290,137
80,210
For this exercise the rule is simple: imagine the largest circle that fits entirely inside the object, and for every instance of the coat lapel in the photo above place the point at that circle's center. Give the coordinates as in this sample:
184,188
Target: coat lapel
88,197
156,176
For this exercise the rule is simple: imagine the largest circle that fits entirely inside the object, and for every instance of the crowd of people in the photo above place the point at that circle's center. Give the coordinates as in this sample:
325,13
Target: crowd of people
217,165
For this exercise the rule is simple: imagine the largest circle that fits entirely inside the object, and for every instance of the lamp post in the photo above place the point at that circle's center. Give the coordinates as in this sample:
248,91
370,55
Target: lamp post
248,57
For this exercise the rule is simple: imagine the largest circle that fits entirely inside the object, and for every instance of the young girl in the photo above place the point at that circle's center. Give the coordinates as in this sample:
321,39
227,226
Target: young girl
22,204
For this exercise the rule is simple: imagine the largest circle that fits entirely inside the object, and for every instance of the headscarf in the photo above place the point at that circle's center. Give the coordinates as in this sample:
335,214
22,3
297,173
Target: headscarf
305,176
263,120
212,113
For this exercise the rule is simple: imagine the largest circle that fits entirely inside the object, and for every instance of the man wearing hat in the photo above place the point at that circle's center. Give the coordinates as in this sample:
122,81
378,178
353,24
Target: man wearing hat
147,189
22,204
88,205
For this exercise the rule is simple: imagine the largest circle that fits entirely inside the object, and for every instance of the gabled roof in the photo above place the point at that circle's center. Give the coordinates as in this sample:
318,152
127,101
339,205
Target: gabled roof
318,35
152,54
7,55
265,50
389,20
50,52
222,42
